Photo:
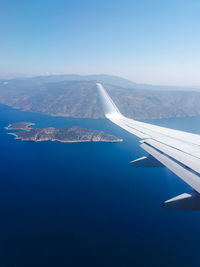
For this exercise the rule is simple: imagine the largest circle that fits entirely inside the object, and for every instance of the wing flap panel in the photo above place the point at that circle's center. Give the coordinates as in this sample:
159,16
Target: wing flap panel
184,158
185,174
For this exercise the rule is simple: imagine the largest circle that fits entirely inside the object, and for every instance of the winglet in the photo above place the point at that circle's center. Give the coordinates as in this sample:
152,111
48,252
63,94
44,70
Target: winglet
109,107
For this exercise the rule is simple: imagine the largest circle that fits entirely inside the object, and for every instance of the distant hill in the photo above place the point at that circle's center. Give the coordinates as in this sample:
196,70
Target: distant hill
79,99
106,79
109,79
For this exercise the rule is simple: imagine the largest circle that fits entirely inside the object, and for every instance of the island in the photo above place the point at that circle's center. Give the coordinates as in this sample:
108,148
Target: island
66,135
22,125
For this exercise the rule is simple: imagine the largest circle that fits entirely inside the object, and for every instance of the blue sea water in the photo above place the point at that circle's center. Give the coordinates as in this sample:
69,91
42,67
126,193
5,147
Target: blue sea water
81,204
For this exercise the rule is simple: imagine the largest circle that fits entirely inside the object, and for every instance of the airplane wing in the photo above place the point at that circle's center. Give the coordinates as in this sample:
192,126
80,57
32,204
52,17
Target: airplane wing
177,150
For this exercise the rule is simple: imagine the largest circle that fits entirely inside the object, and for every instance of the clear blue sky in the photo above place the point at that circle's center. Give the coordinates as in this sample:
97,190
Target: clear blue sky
151,41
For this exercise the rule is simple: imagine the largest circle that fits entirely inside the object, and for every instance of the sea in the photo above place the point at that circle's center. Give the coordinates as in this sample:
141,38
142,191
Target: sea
82,204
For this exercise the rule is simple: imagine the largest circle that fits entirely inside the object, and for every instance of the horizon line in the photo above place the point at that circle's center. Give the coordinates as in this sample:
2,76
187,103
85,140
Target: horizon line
12,76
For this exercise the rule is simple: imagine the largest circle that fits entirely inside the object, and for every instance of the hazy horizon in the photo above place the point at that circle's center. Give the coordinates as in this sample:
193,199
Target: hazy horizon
149,42
18,76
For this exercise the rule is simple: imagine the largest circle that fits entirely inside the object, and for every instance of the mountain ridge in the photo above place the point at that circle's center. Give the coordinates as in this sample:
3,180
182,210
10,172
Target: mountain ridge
103,78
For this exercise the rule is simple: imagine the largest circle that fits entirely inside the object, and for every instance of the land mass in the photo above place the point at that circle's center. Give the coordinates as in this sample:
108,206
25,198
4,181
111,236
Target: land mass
22,125
77,96
65,135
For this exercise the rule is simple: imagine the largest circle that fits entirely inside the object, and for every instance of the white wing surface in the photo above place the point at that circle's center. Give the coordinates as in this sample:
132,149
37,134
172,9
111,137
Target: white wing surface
177,150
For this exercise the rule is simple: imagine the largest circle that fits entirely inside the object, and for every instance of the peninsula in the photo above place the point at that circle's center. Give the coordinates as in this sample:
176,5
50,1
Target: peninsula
66,135
77,97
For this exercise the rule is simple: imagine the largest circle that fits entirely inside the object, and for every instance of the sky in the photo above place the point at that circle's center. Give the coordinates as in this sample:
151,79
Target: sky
146,41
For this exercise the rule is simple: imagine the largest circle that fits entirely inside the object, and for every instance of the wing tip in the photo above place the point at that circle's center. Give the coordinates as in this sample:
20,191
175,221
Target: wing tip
110,109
